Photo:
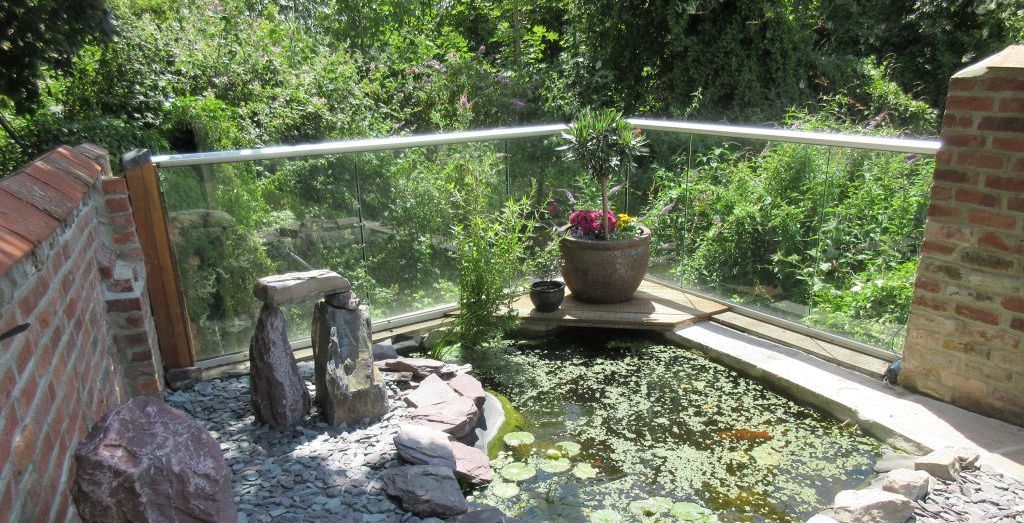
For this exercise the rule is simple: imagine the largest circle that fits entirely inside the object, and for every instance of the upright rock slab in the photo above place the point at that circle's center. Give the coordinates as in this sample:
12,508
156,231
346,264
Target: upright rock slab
146,462
349,388
279,397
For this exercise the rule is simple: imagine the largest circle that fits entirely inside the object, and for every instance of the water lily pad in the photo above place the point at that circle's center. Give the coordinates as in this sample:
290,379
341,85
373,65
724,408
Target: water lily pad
552,454
686,511
605,515
518,439
650,507
555,465
518,471
568,448
584,471
505,490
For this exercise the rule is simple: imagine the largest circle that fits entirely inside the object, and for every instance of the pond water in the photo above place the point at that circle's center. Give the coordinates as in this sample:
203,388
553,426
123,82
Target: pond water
656,432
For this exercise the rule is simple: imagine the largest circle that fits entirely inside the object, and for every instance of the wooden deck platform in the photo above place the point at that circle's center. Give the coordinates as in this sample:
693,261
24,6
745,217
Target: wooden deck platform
653,307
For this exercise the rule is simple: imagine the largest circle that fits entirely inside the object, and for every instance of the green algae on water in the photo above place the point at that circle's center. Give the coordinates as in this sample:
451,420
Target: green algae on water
652,421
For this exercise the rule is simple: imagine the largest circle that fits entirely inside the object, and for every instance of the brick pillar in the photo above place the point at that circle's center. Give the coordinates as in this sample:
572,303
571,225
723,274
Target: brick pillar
964,338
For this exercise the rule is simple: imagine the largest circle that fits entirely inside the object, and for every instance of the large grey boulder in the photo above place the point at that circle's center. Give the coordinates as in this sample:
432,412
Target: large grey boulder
293,287
911,484
279,397
419,445
349,388
147,462
425,490
871,506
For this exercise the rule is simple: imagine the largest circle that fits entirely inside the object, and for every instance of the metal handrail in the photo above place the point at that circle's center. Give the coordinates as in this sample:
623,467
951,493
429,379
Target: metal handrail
854,141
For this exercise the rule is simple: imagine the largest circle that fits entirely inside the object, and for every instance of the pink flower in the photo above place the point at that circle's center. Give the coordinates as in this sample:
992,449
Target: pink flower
587,224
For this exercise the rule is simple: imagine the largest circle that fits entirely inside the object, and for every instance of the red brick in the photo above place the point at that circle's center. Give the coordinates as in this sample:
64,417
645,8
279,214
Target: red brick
118,204
962,84
66,184
39,195
991,219
1011,105
939,193
1002,84
1017,324
1018,165
930,303
938,210
125,305
115,185
955,176
978,198
23,447
958,102
1015,204
1005,183
73,163
1004,143
934,247
1002,124
957,121
1001,243
976,314
30,223
980,160
13,247
1013,303
122,220
928,285
973,141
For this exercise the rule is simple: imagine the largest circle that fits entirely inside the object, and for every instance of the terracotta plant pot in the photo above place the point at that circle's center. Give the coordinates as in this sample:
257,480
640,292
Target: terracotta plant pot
547,295
605,271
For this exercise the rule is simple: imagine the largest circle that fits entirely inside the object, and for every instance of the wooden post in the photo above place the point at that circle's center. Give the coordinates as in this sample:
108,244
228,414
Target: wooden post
165,294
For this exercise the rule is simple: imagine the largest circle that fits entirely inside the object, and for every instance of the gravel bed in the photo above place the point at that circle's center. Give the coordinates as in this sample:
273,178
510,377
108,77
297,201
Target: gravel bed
311,473
981,495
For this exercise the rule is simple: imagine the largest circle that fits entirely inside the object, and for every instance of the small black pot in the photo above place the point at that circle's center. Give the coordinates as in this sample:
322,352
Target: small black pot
547,295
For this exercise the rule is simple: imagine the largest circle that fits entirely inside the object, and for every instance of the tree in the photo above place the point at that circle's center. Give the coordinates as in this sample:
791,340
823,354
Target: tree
40,34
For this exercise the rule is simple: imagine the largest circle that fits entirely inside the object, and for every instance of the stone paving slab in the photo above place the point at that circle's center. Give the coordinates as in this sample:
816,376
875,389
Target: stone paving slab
906,421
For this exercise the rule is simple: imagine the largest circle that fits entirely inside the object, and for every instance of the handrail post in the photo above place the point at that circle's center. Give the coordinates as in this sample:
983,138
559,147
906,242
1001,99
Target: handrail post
165,291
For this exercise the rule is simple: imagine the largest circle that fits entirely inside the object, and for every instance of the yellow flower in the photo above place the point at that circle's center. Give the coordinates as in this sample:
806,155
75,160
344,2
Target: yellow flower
625,219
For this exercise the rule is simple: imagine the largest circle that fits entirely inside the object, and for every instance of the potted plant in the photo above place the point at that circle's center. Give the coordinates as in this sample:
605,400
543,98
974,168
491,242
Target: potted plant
604,256
547,294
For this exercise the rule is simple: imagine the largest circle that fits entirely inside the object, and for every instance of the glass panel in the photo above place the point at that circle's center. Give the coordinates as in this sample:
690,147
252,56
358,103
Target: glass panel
870,239
233,223
409,209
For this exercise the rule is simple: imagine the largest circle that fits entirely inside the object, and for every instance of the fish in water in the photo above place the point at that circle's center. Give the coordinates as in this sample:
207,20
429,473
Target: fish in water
745,435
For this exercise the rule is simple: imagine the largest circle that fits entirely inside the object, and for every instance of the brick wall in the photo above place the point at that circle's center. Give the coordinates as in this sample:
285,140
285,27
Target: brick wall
964,339
71,271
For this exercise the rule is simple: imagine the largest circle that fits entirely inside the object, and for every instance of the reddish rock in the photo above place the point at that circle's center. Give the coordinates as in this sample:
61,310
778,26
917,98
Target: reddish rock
419,367
472,465
456,417
147,462
469,387
432,391
419,445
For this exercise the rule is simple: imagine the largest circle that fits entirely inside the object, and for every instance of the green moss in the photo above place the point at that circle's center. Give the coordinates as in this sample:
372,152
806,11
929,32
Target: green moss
514,422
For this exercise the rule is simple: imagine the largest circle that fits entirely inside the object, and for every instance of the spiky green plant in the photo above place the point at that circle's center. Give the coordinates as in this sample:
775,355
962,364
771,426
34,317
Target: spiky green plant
605,144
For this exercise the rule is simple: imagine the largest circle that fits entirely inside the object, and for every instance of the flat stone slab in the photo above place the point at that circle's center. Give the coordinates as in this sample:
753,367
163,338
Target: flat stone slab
907,421
293,287
432,391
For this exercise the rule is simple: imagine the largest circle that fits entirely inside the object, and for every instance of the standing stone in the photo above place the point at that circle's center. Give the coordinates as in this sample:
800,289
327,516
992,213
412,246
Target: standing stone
147,462
278,395
425,490
349,388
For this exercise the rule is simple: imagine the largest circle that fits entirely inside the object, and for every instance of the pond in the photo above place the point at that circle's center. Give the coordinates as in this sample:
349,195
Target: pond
630,427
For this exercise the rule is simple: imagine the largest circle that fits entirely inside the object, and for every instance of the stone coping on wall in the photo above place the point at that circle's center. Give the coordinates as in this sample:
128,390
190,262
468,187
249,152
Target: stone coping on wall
904,420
